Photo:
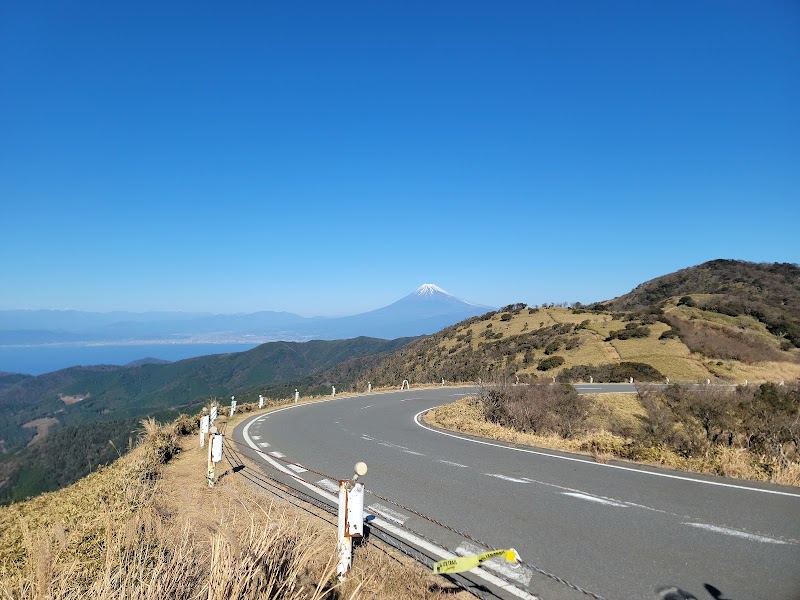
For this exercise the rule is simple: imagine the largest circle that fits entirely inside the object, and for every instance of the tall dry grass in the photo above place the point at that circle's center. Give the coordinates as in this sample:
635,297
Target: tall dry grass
108,538
148,528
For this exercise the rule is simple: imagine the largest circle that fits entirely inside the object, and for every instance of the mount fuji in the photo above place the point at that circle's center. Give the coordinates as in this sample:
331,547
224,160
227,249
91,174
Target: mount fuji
426,310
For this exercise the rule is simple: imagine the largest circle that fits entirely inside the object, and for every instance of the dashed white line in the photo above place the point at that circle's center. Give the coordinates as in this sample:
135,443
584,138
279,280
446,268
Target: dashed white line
363,407
255,437
594,499
278,454
454,464
414,453
506,478
736,533
327,484
388,445
387,513
297,468
263,444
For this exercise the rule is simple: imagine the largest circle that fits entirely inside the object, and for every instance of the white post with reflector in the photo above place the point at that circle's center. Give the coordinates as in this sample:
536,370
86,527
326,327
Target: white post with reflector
351,519
204,425
214,414
233,405
260,401
214,454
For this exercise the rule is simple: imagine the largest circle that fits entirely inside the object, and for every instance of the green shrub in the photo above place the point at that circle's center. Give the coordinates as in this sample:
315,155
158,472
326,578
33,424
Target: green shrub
550,363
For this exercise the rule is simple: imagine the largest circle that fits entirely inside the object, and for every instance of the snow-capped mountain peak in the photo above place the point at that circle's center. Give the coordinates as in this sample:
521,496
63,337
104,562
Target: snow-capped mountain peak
429,289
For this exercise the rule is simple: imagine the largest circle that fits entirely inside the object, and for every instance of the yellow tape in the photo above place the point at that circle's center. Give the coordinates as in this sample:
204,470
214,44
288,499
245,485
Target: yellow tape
465,563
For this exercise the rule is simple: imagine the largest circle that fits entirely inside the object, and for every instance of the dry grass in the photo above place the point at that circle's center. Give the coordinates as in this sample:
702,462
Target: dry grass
670,357
144,529
466,416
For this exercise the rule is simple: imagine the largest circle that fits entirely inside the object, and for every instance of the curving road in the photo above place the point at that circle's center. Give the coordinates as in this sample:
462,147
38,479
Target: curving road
619,530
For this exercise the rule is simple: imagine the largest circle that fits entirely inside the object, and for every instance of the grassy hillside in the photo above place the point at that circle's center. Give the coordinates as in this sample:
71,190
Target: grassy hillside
574,344
724,320
769,293
91,410
148,527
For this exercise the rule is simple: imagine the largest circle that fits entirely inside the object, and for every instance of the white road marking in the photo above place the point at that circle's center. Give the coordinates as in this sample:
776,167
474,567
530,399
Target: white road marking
297,468
255,437
589,463
593,499
436,551
263,444
506,478
388,445
516,572
368,406
327,484
454,464
414,453
388,513
737,533
366,437
278,454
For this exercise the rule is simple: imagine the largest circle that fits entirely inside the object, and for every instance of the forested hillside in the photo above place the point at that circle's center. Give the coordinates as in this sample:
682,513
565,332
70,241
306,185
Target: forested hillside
82,408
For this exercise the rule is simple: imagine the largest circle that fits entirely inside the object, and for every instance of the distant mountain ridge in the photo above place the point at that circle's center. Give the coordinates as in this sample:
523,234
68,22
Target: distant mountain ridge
422,312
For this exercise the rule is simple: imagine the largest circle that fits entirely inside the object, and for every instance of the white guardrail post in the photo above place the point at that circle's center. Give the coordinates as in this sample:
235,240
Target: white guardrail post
214,454
351,519
204,425
260,401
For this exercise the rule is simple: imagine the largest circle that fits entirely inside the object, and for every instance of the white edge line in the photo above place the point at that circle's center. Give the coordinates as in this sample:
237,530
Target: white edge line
736,533
597,464
593,499
410,537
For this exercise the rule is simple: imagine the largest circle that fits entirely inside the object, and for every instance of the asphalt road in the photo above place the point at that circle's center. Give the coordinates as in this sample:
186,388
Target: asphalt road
619,530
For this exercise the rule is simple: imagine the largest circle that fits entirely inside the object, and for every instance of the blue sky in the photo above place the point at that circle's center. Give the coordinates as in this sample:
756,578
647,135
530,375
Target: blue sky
327,158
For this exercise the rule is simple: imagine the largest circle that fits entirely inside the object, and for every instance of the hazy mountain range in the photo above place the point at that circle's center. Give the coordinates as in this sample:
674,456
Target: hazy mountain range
424,311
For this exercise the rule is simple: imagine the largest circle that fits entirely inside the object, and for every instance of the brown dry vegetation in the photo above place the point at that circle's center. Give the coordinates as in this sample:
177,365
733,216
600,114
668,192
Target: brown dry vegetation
148,527
752,433
524,343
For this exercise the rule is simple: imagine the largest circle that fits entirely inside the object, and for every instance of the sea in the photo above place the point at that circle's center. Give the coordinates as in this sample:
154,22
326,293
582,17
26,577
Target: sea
39,359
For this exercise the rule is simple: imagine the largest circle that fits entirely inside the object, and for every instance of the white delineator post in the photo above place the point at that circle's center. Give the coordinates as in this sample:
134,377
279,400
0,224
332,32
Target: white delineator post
214,454
260,401
296,395
204,425
233,405
351,519
591,379
369,387
333,390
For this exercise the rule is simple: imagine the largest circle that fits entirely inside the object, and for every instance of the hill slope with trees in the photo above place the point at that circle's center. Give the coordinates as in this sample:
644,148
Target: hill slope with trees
724,321
90,412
